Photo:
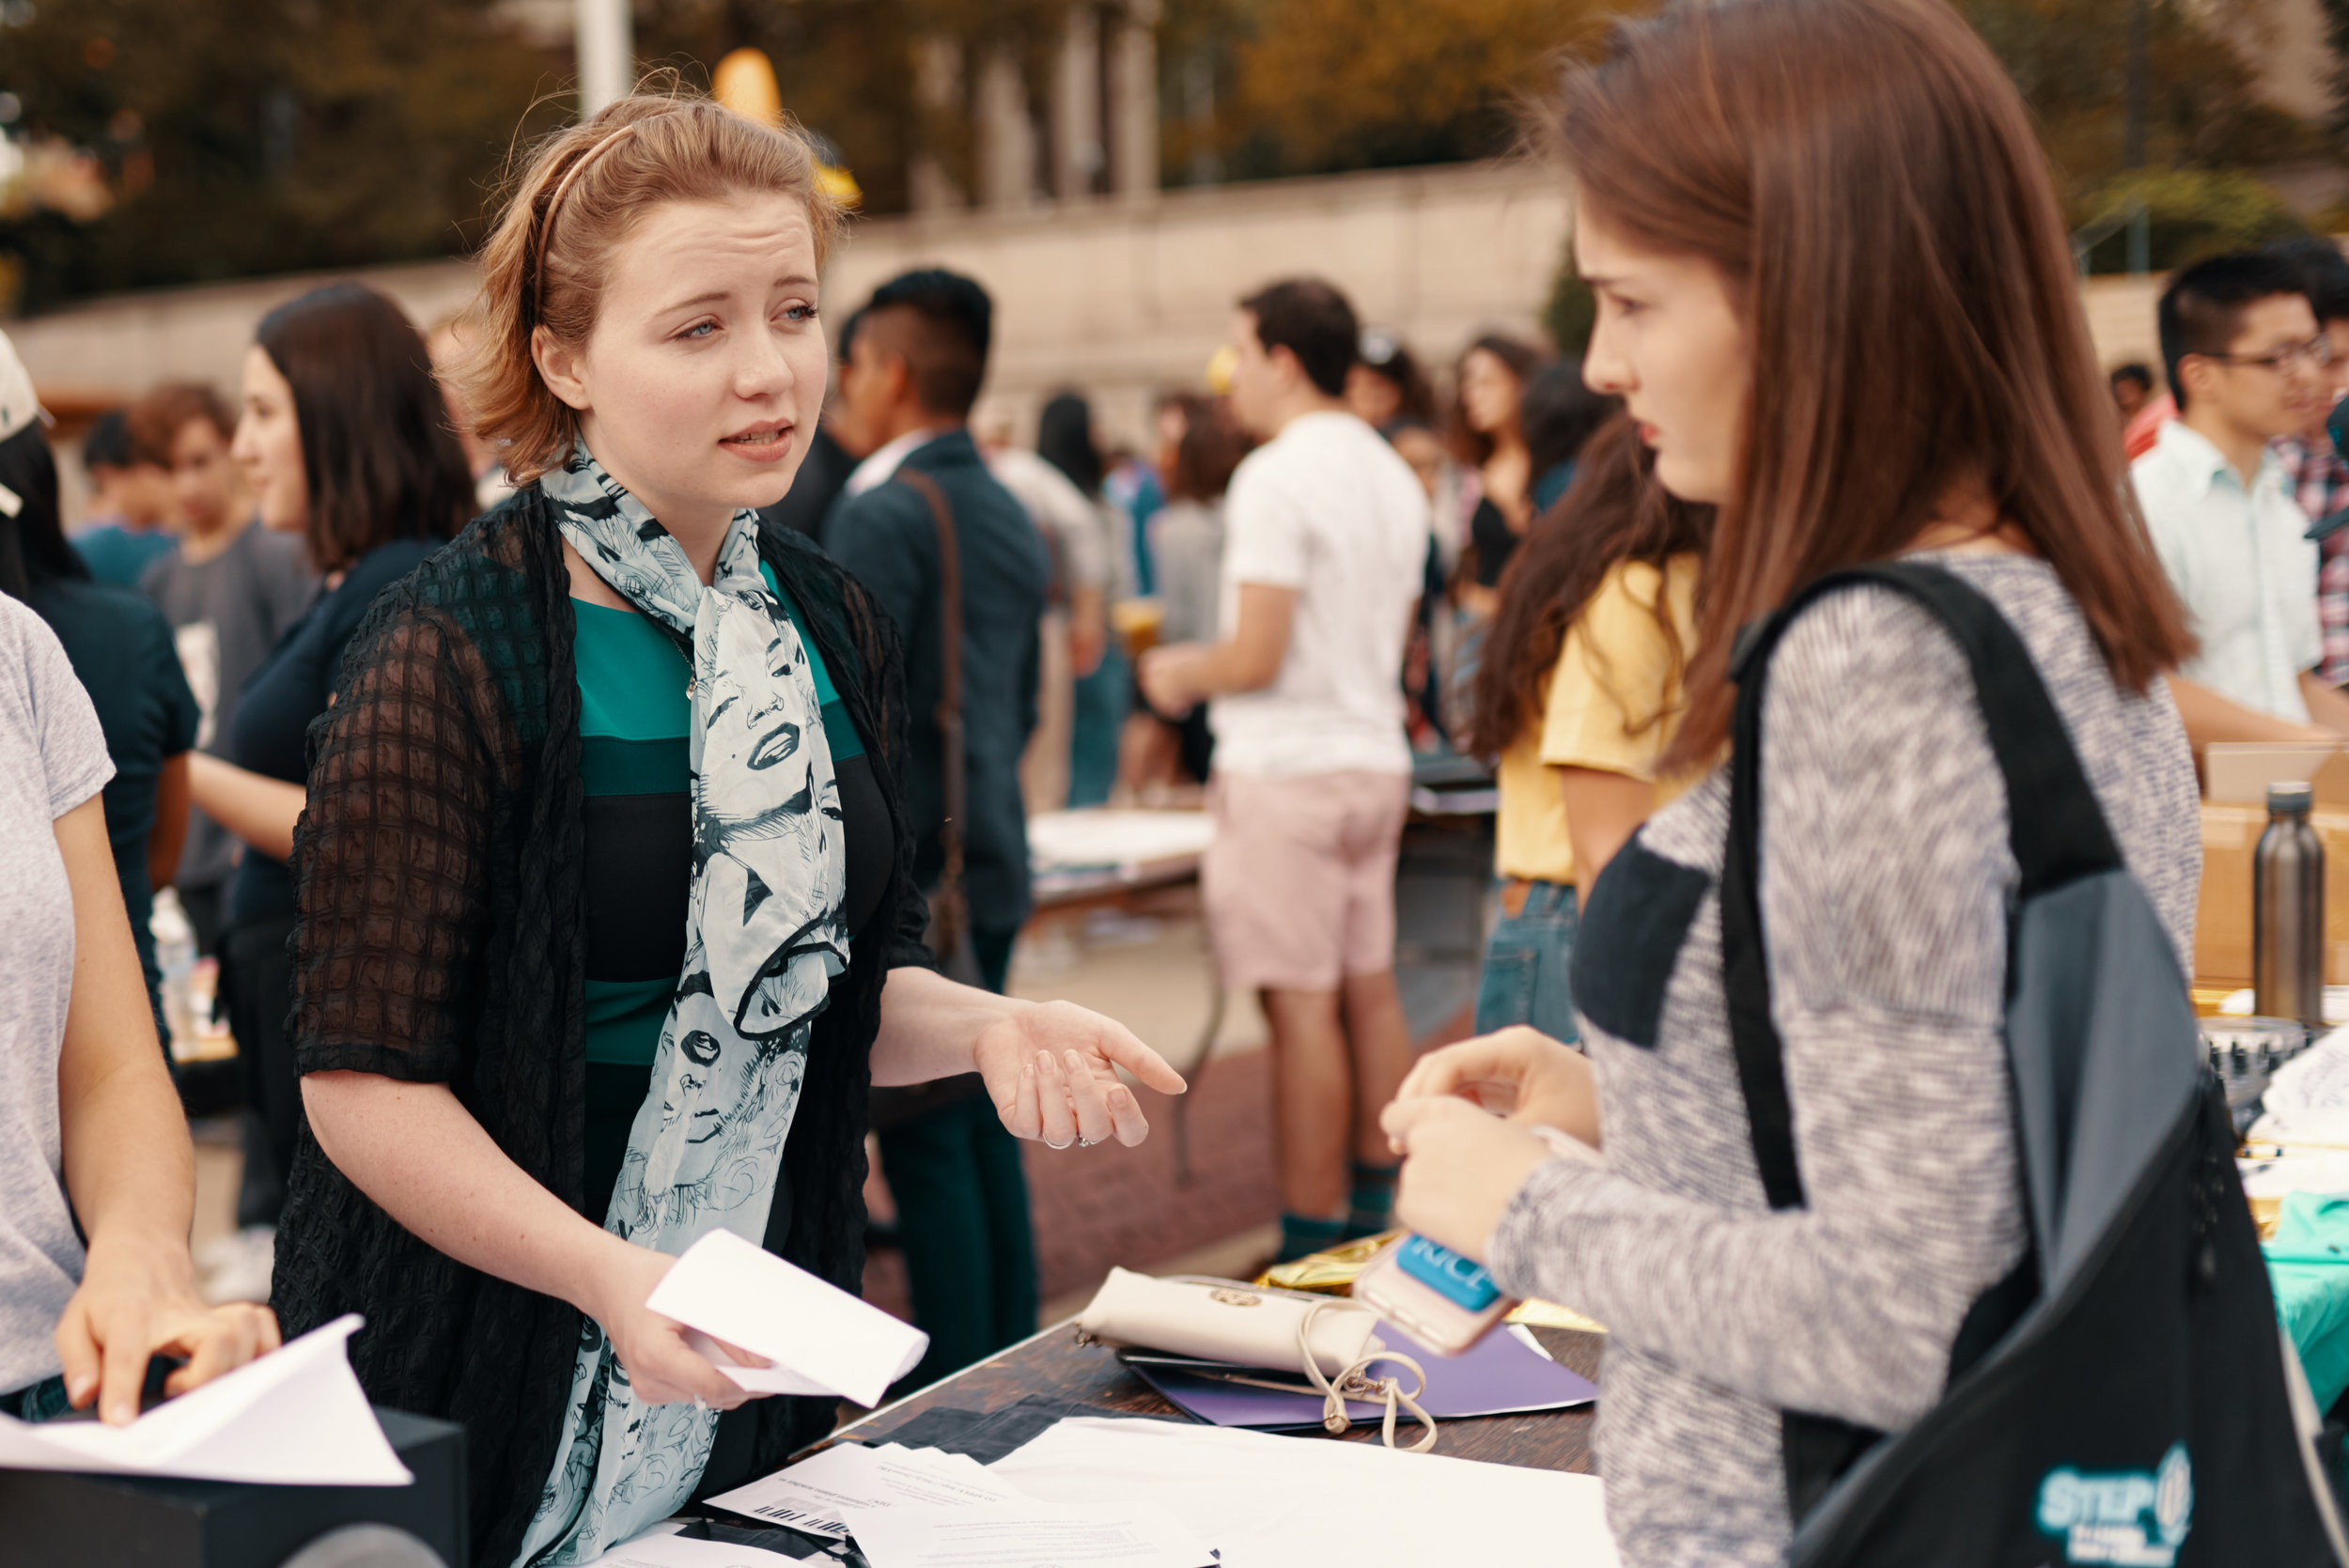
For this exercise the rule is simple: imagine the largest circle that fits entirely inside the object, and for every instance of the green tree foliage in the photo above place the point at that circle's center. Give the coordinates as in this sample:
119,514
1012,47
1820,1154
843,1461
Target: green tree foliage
1572,310
2070,59
2192,213
264,135
1320,85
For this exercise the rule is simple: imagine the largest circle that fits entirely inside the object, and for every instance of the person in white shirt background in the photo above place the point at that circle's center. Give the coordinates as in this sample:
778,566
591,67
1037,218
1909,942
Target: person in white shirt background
1325,537
2247,365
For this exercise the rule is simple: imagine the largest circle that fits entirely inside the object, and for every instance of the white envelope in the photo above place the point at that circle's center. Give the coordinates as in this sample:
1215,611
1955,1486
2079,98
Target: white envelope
821,1339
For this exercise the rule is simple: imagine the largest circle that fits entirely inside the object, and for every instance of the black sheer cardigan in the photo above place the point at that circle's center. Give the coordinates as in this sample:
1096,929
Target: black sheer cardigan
443,940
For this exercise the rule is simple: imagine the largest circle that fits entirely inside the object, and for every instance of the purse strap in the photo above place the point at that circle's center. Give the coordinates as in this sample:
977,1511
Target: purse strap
1355,1383
2057,827
952,911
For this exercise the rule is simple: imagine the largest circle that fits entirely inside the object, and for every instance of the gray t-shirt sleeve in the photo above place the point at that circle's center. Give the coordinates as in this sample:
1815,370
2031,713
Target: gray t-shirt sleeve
63,723
1885,868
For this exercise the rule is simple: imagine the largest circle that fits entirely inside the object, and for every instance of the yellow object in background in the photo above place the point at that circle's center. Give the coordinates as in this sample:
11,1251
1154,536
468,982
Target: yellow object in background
744,82
1220,365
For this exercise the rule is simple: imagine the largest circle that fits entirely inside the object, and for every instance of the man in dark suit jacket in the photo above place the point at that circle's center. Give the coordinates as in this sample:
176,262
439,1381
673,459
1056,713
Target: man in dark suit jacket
913,372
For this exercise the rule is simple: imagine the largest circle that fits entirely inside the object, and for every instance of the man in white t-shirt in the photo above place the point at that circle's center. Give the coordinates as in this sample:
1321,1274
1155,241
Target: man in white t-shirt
1326,534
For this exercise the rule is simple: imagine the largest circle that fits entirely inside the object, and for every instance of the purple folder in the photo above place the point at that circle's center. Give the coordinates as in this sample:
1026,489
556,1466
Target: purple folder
1498,1375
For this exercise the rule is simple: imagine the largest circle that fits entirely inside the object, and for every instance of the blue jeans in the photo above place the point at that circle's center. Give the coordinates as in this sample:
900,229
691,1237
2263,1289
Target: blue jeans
1526,967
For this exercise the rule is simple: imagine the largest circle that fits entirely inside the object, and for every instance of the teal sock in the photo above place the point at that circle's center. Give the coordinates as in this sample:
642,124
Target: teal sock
1301,1236
1372,1209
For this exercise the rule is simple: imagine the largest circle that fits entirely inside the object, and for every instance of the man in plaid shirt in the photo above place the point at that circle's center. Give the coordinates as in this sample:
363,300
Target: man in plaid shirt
2314,470
2319,481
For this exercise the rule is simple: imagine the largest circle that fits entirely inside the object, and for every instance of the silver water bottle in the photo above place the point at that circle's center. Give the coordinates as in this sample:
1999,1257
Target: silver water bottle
2288,911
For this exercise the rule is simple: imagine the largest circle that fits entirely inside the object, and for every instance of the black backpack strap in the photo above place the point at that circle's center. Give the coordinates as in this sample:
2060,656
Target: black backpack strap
2062,835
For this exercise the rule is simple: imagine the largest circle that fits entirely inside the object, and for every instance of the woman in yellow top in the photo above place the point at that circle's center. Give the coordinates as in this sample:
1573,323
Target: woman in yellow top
1577,695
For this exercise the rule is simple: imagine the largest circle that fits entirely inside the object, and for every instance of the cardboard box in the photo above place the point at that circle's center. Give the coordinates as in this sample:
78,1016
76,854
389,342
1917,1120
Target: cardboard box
2237,773
112,1521
2222,921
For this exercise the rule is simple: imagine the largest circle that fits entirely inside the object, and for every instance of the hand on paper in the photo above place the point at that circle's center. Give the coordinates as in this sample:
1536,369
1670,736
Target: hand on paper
1517,1073
662,1367
138,1299
1050,1067
1460,1167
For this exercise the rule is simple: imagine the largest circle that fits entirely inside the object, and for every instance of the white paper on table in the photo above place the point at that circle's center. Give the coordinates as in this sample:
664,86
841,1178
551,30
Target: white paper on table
1027,1534
1091,836
661,1548
821,1338
295,1416
1267,1502
2306,1099
817,1495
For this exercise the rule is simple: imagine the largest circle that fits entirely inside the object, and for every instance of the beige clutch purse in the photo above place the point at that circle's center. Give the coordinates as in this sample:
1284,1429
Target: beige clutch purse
1330,1342
1222,1320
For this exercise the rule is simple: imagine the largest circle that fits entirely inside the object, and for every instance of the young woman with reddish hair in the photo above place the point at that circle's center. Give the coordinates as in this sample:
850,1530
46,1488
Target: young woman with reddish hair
1840,201
607,914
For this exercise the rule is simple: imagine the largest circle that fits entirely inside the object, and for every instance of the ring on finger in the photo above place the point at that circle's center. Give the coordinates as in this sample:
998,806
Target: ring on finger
1088,1143
1049,1144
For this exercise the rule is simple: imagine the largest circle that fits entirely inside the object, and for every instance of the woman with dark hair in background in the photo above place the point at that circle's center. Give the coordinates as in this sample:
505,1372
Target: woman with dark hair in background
1559,414
1488,431
121,648
1577,698
1063,438
344,440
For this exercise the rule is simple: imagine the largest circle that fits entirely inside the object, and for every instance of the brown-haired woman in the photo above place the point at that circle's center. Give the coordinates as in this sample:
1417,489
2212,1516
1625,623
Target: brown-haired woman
1744,172
1578,697
608,920
1488,433
342,443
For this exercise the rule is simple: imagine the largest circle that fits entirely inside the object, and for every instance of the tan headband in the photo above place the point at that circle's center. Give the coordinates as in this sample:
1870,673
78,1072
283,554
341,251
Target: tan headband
578,166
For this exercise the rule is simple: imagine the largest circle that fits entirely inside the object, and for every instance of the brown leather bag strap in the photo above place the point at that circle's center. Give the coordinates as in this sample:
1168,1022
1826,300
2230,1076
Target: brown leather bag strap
949,712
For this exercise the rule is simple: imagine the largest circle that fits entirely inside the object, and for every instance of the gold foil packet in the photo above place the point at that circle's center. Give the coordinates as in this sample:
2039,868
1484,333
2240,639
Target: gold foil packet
1332,1273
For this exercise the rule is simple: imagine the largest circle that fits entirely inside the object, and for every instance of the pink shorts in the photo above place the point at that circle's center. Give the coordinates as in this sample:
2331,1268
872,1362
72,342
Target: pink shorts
1300,883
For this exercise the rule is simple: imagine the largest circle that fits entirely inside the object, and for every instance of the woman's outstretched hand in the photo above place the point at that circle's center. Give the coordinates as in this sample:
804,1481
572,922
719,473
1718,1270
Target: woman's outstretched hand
1051,1068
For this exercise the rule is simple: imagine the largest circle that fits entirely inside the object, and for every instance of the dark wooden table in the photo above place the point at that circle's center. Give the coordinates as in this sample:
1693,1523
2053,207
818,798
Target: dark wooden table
1054,1365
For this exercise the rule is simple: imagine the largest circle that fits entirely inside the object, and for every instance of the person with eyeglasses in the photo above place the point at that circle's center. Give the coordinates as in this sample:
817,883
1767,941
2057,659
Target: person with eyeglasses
2247,366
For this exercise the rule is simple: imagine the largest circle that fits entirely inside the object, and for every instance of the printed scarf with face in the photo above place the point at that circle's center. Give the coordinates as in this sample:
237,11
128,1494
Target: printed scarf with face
763,939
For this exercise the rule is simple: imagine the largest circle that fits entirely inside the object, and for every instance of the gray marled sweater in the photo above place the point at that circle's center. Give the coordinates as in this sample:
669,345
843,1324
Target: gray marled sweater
1886,877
